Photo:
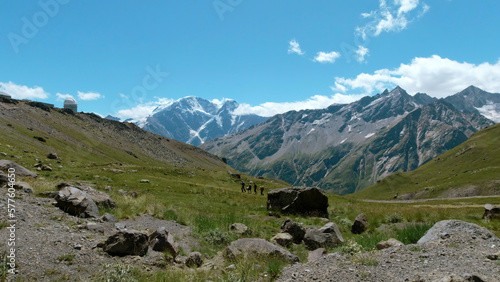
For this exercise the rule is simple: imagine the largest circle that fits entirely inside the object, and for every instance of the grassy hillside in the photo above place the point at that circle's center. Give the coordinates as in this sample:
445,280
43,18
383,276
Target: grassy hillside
470,169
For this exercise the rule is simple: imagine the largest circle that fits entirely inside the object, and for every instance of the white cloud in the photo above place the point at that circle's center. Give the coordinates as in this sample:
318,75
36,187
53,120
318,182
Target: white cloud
436,76
294,47
315,102
361,53
22,91
142,111
62,97
87,96
390,17
323,57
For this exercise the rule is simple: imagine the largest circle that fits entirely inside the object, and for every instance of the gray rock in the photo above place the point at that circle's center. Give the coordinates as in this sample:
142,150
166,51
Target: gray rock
252,247
194,259
52,156
46,168
360,224
315,239
126,242
163,241
491,212
391,243
76,202
240,228
282,239
452,227
107,217
23,186
120,226
144,181
101,199
77,247
316,254
332,229
295,229
92,226
298,200
20,170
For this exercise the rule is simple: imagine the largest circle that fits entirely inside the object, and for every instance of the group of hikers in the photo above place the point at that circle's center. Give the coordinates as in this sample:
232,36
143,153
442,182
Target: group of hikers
248,189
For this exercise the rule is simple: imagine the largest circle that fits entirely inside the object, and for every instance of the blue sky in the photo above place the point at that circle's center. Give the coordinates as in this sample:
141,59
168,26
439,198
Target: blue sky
126,57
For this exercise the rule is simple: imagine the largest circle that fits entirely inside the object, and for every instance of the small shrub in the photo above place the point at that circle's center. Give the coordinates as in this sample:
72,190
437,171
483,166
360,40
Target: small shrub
275,266
217,237
117,272
67,258
350,247
412,233
170,215
365,259
369,241
416,249
394,218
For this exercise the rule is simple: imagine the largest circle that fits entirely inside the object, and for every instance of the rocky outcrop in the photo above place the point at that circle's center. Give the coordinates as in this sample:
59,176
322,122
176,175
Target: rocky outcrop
240,228
298,200
76,202
254,247
126,242
19,170
162,241
449,228
101,199
316,254
360,224
391,243
282,239
194,259
4,179
295,229
325,237
491,211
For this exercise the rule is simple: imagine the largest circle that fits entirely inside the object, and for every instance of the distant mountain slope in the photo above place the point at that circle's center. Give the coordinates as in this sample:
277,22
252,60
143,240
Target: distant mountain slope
473,99
345,148
470,169
195,120
89,138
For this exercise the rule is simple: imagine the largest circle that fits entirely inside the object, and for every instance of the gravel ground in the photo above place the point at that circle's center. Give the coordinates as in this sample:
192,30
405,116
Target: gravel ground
460,257
52,245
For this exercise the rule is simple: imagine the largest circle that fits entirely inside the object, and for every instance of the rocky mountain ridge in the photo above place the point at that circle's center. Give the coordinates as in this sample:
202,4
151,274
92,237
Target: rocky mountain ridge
345,148
195,120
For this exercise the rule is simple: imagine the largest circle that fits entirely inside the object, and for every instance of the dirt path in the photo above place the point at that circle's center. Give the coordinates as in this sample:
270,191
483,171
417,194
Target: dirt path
427,200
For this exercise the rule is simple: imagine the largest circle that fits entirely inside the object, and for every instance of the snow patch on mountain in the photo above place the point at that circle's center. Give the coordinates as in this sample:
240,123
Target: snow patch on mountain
490,111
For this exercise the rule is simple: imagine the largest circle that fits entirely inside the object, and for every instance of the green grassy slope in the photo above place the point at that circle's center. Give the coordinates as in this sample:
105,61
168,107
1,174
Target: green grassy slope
470,169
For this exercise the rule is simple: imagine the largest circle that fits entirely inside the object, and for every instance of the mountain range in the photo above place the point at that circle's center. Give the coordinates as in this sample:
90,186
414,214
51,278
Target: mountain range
194,120
345,148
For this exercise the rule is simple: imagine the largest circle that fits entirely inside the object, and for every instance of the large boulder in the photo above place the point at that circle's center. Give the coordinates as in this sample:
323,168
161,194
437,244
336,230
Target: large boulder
162,241
298,200
491,211
19,170
295,229
282,239
315,239
101,199
360,224
455,228
126,242
255,247
332,229
76,202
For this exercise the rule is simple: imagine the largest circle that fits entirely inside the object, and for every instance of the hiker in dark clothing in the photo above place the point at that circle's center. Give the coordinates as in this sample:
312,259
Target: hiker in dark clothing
249,188
262,190
242,186
255,188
